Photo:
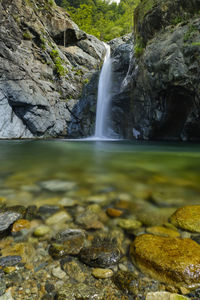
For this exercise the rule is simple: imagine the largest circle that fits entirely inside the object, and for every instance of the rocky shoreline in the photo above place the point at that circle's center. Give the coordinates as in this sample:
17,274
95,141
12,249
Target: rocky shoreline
99,248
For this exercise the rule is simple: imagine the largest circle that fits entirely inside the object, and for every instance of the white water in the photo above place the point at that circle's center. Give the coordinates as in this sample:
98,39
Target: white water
103,100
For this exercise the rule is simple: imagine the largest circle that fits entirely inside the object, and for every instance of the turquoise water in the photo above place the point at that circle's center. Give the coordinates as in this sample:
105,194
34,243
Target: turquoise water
135,170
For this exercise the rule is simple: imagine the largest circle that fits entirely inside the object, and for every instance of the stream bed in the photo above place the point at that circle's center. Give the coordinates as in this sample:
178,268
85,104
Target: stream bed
73,209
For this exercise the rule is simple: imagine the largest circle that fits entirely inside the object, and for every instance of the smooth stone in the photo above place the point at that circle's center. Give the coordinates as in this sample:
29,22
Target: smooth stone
162,231
129,224
164,296
174,261
97,198
102,273
57,185
47,210
7,218
187,218
10,260
20,224
58,273
68,202
113,212
89,220
41,230
59,217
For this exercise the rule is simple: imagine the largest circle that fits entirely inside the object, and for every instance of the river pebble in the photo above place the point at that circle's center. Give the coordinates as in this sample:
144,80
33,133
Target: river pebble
103,253
57,185
10,260
59,217
7,218
102,273
67,242
164,296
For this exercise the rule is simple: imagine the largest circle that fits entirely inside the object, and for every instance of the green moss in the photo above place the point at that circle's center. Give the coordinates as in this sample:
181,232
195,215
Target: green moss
85,81
59,69
191,32
144,7
139,47
196,44
42,42
27,35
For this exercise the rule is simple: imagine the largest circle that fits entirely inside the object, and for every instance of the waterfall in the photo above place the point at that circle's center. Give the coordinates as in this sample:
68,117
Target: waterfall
103,99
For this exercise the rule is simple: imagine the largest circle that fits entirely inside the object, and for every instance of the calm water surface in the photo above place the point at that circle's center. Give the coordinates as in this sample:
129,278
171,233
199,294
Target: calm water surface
166,172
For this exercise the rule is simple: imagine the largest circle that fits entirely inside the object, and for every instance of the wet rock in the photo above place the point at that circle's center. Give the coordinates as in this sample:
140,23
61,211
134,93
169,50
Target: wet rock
102,253
46,211
154,216
31,212
20,225
129,224
125,280
162,231
89,220
57,185
7,296
58,273
10,260
59,217
102,273
2,286
7,218
187,218
41,230
113,212
67,242
75,270
164,296
174,261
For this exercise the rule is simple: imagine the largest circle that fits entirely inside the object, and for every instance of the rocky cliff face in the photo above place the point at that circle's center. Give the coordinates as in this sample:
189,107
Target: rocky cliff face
45,62
165,86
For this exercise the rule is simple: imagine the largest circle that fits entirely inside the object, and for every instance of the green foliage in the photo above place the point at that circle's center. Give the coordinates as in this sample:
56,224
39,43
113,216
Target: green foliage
191,32
138,48
60,70
27,35
102,18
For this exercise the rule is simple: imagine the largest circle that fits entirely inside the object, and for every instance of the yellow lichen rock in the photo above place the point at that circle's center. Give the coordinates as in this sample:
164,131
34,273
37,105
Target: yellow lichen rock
187,218
174,261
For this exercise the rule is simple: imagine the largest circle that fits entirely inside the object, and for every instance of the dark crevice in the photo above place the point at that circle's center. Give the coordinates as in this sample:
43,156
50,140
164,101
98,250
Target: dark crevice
177,103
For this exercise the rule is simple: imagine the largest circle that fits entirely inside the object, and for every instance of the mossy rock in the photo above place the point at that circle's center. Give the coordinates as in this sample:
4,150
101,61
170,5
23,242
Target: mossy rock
187,218
174,261
153,15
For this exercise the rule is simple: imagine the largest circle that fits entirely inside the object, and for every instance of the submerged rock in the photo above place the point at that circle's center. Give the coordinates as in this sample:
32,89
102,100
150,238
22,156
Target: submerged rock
67,242
103,253
7,218
57,185
164,296
187,218
11,260
174,261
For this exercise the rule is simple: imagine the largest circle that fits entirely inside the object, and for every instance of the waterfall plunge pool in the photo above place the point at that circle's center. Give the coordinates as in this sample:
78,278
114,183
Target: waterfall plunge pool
163,174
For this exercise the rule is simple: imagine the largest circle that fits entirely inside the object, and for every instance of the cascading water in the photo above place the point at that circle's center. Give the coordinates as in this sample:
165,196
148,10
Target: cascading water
104,96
